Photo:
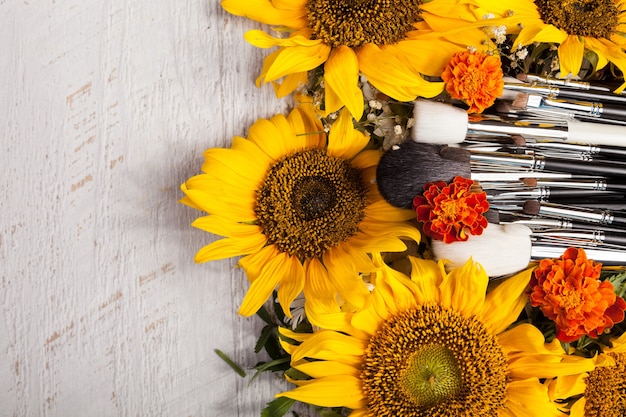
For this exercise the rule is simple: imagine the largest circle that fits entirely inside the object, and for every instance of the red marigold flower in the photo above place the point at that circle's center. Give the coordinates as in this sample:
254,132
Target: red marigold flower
568,291
452,212
474,77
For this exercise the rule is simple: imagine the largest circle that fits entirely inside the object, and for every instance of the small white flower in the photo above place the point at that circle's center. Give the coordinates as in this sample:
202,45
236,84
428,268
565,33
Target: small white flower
522,53
397,129
410,123
375,104
472,49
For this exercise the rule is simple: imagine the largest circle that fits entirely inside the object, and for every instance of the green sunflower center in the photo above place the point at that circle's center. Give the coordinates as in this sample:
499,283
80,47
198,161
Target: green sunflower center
354,23
605,392
431,361
432,375
592,18
310,202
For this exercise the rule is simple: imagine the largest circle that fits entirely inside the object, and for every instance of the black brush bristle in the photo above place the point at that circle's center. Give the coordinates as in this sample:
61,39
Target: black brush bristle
403,171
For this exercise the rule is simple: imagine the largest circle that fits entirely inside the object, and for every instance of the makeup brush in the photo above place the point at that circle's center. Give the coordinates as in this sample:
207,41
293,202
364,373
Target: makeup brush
584,214
590,184
532,162
543,223
578,108
606,257
500,249
553,91
403,170
439,123
610,152
569,83
589,236
550,194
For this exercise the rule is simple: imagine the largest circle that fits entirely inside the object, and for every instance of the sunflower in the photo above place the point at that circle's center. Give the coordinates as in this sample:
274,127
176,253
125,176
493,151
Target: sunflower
602,391
379,39
577,26
301,205
431,345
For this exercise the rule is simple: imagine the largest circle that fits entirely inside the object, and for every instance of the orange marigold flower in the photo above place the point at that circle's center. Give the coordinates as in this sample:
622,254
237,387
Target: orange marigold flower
451,212
568,291
474,77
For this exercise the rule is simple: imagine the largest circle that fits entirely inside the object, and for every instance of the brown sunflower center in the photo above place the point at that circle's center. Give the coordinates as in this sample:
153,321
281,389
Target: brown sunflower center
431,361
310,202
605,392
592,18
354,23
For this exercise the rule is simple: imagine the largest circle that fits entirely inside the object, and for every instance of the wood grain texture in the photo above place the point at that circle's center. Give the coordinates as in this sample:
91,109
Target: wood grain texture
106,107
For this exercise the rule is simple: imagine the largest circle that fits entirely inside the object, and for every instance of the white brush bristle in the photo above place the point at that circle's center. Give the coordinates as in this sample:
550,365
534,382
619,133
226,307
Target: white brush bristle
438,123
501,249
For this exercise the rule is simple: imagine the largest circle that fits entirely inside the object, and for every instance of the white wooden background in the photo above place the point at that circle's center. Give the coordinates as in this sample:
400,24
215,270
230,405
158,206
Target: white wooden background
105,108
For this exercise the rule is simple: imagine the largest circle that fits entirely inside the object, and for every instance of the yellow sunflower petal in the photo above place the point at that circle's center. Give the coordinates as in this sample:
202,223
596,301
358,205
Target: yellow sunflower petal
331,391
212,204
383,211
567,386
293,59
290,83
426,274
344,141
366,159
392,77
504,303
330,345
471,278
319,369
289,288
578,409
273,141
529,398
341,76
571,53
229,247
264,11
262,286
254,263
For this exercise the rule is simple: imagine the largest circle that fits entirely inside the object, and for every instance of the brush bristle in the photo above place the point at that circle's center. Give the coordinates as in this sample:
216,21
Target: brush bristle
530,182
438,123
532,207
500,250
520,102
452,153
403,171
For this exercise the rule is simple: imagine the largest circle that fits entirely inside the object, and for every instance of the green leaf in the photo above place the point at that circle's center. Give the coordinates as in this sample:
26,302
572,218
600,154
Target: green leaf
277,407
266,333
265,315
230,363
275,365
295,374
619,283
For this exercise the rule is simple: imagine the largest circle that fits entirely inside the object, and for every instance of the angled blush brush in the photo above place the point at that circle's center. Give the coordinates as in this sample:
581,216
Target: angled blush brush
439,123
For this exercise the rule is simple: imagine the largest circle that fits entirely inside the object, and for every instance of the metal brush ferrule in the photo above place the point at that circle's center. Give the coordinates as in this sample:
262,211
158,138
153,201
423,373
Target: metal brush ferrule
530,162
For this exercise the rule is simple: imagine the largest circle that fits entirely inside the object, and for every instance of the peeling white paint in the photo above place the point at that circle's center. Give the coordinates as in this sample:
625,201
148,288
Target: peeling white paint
106,107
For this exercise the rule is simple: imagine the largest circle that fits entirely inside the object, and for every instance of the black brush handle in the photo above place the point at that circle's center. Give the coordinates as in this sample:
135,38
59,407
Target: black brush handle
612,111
564,193
614,238
608,168
600,96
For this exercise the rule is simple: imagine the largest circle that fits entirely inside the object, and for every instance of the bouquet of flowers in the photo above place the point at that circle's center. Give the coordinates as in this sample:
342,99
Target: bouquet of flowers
438,226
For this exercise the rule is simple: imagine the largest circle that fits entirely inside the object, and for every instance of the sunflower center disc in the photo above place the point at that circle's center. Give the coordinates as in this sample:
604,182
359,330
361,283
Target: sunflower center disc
432,375
310,202
592,18
606,389
354,23
433,362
